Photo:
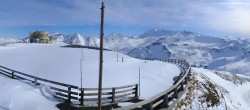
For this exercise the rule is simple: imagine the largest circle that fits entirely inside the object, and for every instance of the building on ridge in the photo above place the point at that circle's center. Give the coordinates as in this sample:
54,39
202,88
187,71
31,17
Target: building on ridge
40,37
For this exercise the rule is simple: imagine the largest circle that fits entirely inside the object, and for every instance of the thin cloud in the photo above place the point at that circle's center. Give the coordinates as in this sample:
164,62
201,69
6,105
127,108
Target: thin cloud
229,17
218,15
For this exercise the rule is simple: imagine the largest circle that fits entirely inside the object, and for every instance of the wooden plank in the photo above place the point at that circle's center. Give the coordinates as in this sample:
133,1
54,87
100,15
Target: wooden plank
6,68
95,89
62,90
61,94
157,103
95,94
95,99
75,98
122,87
57,89
110,88
127,90
22,78
124,95
66,96
5,72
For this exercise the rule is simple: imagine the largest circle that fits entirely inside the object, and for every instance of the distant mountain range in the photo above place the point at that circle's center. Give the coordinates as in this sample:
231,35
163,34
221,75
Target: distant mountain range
217,53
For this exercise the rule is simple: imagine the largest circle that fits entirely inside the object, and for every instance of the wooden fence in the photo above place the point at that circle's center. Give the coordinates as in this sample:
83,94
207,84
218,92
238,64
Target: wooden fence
69,93
110,95
63,91
88,96
162,99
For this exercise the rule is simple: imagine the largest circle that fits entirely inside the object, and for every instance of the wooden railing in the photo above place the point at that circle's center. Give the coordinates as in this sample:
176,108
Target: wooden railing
69,93
88,96
110,95
13,42
162,99
63,91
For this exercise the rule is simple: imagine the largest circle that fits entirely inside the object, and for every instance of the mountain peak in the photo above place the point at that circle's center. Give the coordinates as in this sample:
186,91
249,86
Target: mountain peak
114,34
156,33
77,35
75,39
162,32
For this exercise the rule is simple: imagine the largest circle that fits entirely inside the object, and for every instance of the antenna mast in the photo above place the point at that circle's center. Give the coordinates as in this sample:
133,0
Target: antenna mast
101,58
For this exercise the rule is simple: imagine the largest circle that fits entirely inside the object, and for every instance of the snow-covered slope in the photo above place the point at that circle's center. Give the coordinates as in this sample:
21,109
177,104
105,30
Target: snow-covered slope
155,50
216,91
16,95
114,41
50,61
200,50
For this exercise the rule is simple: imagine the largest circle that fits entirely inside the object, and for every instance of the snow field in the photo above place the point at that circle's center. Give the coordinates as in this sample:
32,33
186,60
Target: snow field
63,65
17,95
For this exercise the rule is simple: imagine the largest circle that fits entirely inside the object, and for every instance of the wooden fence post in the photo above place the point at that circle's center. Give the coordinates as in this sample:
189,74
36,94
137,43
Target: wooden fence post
182,88
165,100
82,96
35,81
150,107
13,75
175,93
69,94
185,82
113,95
136,90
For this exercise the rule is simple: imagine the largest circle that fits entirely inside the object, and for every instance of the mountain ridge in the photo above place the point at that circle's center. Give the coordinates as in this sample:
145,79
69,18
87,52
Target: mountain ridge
217,53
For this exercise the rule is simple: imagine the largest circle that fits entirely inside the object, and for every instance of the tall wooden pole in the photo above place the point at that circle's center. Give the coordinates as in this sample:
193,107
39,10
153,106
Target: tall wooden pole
101,58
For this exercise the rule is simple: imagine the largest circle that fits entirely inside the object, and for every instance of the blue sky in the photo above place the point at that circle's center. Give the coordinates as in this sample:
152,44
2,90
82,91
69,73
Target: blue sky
129,17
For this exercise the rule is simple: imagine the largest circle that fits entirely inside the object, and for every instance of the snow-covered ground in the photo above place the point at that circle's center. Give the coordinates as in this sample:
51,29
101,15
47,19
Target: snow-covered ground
216,91
238,96
63,65
16,95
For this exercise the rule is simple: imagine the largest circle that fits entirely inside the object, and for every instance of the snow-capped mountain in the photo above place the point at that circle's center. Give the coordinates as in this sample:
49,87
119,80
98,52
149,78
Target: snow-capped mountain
162,33
155,50
114,41
76,39
217,53
57,37
200,50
